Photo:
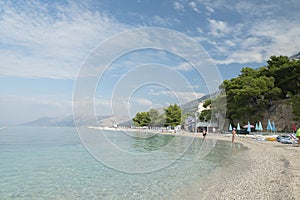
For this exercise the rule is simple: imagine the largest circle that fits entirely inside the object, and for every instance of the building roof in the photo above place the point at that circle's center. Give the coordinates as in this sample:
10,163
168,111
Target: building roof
206,124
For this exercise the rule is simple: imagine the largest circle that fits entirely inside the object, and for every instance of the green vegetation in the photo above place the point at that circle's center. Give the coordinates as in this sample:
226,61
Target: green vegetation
141,119
296,106
205,115
247,96
156,120
171,117
255,90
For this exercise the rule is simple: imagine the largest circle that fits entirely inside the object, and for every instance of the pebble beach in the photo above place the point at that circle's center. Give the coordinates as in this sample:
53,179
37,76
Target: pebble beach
267,170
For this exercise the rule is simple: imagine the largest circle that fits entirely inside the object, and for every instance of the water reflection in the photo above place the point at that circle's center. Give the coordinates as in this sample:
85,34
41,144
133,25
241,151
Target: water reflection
156,142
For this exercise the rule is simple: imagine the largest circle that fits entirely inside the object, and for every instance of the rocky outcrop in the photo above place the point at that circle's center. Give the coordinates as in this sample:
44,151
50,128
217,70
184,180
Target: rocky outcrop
281,113
295,57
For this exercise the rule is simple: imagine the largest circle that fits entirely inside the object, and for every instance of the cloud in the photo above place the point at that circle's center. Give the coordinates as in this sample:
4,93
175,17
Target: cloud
185,66
164,21
50,40
218,28
185,97
47,100
17,109
209,10
193,5
89,105
266,30
177,6
282,35
194,86
242,57
141,101
263,39
182,97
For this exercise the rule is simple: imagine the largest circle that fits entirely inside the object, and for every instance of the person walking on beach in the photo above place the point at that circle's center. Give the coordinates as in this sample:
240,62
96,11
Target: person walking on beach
298,135
294,127
233,134
204,133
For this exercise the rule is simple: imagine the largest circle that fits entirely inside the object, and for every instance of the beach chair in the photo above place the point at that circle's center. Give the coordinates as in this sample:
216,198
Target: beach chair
294,138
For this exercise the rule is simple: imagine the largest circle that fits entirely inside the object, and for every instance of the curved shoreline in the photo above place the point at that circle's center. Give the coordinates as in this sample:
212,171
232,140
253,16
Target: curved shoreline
267,170
272,171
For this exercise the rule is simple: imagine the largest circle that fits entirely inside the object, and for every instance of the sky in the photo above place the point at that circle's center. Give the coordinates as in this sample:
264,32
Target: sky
113,57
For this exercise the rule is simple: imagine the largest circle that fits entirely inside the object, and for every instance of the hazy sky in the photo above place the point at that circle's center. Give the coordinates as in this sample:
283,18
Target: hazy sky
46,45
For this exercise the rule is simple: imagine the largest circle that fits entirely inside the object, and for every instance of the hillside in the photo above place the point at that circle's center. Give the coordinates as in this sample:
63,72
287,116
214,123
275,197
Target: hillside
282,114
295,57
64,121
268,92
192,106
51,121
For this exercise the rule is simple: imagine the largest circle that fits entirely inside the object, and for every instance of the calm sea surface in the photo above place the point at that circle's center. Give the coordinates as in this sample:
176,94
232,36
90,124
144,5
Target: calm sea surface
52,163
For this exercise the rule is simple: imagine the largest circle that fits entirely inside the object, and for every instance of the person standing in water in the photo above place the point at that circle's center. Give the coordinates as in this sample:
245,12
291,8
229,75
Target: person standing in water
233,134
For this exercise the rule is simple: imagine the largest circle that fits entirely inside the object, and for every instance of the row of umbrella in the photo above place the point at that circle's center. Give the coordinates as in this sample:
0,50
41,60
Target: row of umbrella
258,126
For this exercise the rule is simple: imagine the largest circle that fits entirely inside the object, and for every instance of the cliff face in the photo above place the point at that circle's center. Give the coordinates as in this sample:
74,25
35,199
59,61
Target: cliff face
295,57
282,114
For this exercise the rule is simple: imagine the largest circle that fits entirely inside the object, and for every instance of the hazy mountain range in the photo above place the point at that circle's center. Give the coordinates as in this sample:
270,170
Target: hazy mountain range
109,121
67,121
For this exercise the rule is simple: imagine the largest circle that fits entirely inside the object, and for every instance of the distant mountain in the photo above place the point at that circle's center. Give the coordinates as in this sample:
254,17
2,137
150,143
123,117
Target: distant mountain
192,106
51,121
295,57
189,107
64,121
109,121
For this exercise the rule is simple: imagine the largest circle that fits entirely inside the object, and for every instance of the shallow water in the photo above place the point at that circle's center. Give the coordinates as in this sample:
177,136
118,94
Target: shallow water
52,163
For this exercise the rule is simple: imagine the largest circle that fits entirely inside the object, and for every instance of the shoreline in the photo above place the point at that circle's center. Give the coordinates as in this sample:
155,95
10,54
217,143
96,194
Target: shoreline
266,170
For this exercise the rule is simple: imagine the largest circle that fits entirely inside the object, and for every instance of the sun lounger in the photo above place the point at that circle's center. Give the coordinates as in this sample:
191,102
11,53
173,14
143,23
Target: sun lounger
294,138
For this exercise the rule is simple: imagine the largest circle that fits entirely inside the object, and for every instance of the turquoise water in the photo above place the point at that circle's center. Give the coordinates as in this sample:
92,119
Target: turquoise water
52,163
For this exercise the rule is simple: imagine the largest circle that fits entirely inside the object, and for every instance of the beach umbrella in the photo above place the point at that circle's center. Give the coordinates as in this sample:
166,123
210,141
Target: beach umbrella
256,127
260,126
230,127
246,126
249,127
269,127
273,126
238,127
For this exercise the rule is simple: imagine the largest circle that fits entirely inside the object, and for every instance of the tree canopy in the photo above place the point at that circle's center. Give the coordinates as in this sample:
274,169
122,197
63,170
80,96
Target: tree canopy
246,96
171,117
156,120
254,90
141,119
205,115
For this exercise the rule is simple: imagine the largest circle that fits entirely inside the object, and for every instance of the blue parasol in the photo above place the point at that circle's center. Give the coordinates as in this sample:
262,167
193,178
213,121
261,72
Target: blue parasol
269,127
260,126
238,127
230,127
273,126
249,127
256,127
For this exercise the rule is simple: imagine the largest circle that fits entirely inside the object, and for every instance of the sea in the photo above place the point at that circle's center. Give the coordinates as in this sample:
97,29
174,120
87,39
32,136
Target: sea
70,163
